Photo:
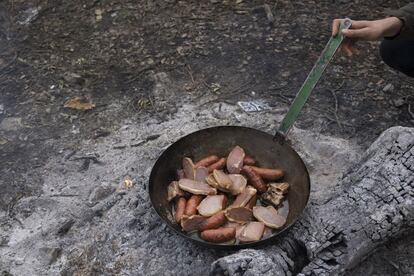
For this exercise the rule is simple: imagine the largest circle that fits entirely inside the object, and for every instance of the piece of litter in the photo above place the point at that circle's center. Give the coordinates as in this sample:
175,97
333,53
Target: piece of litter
215,86
253,106
28,16
98,15
128,183
125,185
79,104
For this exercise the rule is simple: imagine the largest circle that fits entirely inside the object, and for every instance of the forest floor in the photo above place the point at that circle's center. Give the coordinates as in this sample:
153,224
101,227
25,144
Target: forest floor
114,54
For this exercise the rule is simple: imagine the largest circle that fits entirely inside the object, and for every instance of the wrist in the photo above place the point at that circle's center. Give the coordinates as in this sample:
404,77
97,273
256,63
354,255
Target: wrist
392,26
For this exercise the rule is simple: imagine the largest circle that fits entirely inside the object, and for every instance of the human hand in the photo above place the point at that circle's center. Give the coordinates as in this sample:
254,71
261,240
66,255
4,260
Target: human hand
366,30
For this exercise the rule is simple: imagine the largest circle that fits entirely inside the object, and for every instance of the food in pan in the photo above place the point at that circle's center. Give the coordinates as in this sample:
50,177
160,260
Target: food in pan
229,199
217,165
255,179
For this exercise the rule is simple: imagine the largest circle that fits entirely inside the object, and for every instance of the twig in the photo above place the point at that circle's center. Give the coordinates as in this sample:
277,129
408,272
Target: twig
410,112
190,73
407,99
65,226
86,162
64,195
70,154
336,104
269,14
19,221
334,120
336,109
285,98
139,73
91,158
8,65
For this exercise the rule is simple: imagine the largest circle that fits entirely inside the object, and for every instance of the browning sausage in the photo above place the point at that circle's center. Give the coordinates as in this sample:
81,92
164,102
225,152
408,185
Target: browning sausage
213,222
249,161
225,202
268,174
192,203
217,165
179,209
218,235
254,179
207,161
252,202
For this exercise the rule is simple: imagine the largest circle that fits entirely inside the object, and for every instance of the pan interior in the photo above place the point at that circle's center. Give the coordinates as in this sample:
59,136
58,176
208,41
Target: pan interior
219,141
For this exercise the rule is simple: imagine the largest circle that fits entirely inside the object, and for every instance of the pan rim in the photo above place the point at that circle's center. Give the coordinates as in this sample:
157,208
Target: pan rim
227,246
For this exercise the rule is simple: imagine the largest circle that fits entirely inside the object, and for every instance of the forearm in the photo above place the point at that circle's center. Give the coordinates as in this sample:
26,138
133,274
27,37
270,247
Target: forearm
392,26
406,15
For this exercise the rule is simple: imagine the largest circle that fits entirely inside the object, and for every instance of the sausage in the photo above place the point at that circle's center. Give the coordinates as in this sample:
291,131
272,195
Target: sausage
218,235
217,165
192,223
192,203
179,209
207,161
249,161
213,222
254,179
268,174
225,201
252,202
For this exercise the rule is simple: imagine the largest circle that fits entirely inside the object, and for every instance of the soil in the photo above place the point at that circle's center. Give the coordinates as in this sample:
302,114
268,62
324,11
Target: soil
113,53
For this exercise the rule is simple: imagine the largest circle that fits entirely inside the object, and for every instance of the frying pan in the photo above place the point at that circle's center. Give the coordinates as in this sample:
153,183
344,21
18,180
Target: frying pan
270,151
263,147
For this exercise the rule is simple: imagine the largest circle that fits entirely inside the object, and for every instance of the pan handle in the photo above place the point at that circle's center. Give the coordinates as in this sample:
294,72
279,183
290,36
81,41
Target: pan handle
311,81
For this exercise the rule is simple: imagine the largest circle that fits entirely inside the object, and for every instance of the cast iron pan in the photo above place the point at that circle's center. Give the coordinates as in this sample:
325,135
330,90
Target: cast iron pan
220,140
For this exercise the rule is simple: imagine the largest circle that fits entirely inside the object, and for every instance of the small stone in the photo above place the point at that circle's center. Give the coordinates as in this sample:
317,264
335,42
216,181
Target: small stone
19,261
11,124
48,255
65,226
98,14
73,78
286,74
100,193
399,102
388,88
3,141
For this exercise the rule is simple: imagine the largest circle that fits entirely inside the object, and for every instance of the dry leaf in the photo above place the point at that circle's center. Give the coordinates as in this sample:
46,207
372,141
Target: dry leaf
77,103
3,141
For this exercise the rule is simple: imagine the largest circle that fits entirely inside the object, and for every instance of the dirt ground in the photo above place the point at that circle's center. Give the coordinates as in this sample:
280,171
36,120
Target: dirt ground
108,52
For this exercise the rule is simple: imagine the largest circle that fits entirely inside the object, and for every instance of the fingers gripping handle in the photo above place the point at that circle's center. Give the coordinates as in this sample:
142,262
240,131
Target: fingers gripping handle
345,24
